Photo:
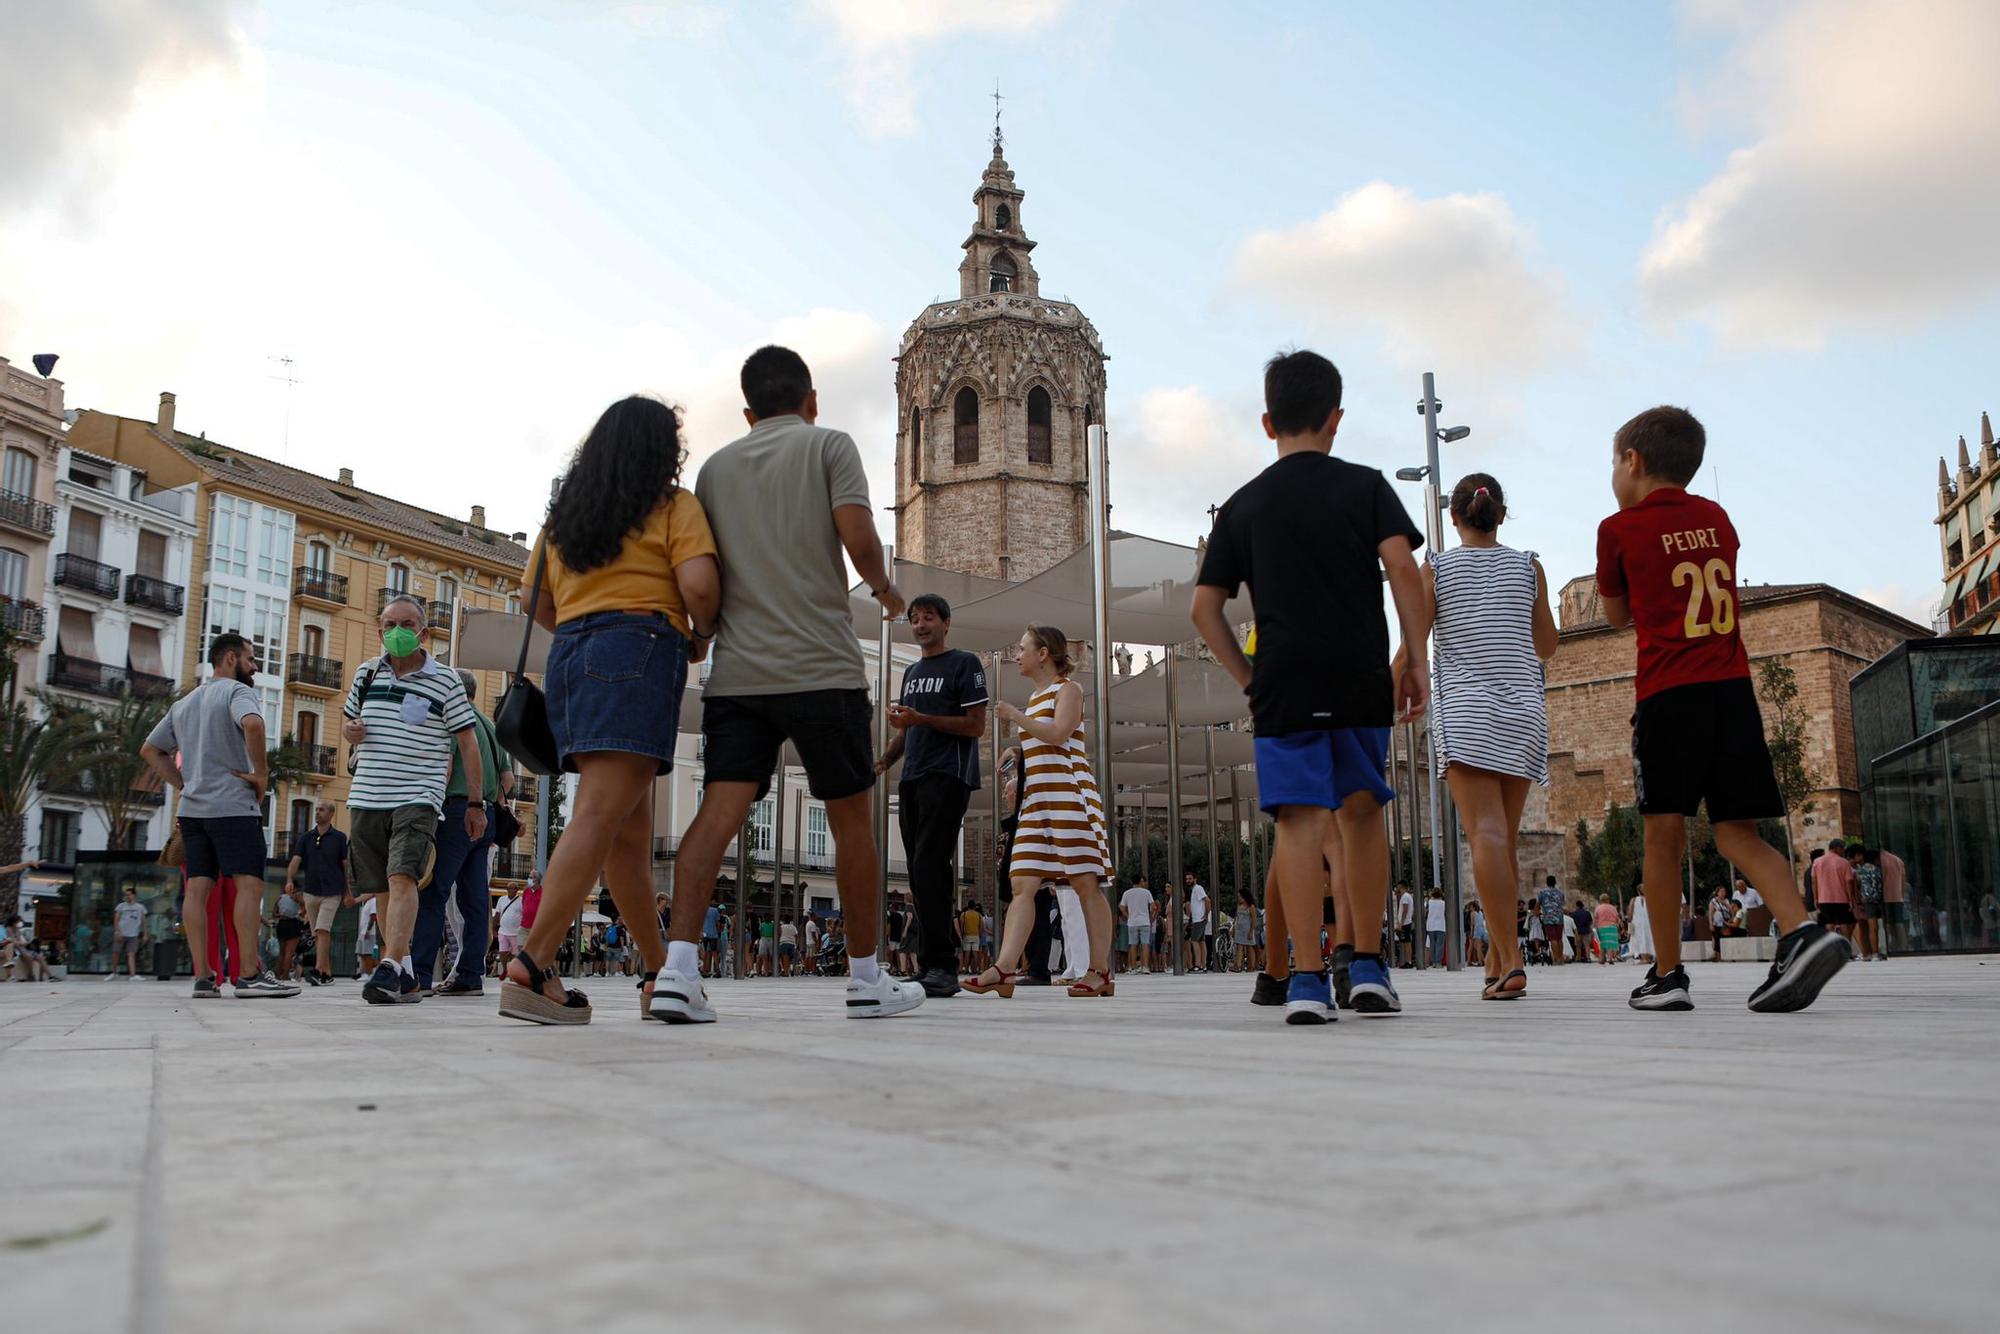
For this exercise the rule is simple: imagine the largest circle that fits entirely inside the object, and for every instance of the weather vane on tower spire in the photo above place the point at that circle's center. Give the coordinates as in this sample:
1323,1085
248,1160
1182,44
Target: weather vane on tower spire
997,138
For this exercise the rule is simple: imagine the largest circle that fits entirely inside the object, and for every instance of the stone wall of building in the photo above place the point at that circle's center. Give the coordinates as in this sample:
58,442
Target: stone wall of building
1826,636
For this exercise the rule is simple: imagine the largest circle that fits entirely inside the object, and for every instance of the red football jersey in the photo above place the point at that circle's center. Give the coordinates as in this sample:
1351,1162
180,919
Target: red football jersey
1674,556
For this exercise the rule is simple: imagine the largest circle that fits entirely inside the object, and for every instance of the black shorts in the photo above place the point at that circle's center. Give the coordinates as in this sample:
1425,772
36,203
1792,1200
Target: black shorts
290,928
1704,743
828,728
232,845
1836,914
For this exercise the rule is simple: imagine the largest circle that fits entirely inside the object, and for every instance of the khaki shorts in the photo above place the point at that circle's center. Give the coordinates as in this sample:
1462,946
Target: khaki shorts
381,844
320,910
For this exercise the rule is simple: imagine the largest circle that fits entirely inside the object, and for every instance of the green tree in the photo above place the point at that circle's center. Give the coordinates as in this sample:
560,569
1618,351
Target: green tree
1612,861
557,820
105,743
1786,721
32,755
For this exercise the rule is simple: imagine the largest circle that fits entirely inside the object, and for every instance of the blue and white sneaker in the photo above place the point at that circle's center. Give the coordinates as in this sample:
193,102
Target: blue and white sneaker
1372,990
390,985
1309,999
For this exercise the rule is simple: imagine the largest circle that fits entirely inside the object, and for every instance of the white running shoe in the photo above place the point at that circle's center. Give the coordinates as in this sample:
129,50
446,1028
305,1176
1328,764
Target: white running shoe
881,998
681,999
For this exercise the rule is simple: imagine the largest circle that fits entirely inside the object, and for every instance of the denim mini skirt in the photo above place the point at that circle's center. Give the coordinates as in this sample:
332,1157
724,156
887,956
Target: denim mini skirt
614,682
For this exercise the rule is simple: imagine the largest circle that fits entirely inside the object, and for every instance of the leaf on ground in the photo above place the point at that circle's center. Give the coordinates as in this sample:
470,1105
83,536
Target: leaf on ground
41,1239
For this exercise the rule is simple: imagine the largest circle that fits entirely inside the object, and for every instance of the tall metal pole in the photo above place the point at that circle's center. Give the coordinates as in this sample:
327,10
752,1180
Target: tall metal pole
1100,656
998,807
1214,873
1417,803
799,856
777,853
1444,821
1178,896
882,643
1236,827
744,947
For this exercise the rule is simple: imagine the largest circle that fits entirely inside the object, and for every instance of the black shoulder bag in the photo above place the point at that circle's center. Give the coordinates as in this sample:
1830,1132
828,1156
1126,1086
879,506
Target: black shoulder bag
522,720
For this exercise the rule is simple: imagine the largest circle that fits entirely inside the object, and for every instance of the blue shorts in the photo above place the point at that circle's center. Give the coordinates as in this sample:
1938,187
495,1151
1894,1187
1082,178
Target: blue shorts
1322,768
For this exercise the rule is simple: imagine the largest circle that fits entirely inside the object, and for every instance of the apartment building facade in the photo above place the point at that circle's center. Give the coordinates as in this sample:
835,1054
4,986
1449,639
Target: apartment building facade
31,431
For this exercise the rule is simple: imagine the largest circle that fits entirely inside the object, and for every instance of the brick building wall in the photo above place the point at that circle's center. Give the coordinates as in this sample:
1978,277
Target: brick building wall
1825,635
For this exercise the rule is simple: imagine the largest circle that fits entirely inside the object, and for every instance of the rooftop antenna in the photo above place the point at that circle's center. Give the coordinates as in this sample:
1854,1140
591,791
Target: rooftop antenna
998,138
289,380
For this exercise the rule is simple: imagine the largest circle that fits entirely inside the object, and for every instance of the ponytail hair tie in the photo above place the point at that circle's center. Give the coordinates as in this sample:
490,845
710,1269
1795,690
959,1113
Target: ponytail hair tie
1482,491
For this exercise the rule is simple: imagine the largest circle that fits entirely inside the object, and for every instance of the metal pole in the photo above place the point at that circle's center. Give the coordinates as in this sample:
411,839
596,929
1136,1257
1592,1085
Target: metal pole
882,783
778,855
743,944
997,806
1100,660
799,852
1236,828
1417,803
1214,873
1179,895
1444,820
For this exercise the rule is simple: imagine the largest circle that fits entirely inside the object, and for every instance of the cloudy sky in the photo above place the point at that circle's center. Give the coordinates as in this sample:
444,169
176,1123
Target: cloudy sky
472,223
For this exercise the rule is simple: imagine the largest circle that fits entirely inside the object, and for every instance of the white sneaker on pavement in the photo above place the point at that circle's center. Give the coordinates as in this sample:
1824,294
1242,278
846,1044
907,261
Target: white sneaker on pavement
681,999
881,998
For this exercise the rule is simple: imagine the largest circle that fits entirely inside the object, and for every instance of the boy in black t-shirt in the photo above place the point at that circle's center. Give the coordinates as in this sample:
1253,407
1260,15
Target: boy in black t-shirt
1311,535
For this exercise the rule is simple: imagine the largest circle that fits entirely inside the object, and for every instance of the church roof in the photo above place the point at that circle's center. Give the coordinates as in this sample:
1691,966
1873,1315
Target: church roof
1757,595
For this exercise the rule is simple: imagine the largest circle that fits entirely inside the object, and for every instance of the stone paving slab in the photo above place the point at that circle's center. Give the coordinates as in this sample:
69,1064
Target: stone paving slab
1172,1159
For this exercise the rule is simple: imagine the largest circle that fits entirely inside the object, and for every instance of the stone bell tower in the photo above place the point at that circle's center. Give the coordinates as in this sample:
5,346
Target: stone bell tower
993,392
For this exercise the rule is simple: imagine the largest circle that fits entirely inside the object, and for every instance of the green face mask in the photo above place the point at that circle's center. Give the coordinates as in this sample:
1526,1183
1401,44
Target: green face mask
400,641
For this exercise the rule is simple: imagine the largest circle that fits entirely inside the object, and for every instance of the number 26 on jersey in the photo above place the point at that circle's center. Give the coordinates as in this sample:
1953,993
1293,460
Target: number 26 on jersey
1711,608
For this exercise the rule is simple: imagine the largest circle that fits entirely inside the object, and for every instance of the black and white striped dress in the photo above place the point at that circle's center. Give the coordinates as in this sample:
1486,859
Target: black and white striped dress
1487,706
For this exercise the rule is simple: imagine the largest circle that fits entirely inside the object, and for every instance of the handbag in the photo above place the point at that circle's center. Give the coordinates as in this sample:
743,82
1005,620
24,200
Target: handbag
522,720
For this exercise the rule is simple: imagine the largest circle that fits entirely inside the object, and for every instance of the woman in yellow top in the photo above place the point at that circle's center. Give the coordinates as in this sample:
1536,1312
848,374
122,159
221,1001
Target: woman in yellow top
629,585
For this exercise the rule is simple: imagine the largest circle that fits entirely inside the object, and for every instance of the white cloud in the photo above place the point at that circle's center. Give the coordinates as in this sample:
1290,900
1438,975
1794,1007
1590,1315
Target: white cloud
1183,450
882,41
71,74
1450,282
1869,196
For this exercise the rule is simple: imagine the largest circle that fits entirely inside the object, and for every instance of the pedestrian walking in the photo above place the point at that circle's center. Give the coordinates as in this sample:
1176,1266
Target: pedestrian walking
318,868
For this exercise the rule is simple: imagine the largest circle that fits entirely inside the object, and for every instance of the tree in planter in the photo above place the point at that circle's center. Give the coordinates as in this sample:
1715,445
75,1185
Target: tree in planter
32,755
1785,721
105,743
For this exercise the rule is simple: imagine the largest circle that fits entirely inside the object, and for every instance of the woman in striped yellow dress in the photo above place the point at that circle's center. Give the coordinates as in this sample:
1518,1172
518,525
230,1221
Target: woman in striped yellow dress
1061,832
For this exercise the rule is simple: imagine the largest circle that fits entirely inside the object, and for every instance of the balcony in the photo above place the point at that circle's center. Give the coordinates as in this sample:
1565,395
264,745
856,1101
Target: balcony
526,787
142,590
321,760
319,586
27,515
23,619
308,672
87,575
84,786
513,866
97,678
439,611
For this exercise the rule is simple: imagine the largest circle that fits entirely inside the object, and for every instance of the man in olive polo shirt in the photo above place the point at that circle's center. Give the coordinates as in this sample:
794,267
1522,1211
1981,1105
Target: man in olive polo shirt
463,870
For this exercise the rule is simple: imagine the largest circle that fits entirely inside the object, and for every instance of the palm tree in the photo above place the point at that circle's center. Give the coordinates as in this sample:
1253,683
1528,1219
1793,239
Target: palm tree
32,755
106,741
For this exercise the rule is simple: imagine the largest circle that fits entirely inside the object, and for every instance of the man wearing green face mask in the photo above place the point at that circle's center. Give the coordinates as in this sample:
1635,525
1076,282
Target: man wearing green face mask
405,715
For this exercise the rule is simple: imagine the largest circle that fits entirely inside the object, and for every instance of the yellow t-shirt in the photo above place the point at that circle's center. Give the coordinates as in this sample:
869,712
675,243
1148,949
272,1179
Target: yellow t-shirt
641,578
968,923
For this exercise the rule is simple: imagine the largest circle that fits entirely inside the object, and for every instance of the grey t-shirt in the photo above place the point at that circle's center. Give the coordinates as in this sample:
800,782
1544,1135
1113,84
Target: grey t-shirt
130,917
770,497
205,726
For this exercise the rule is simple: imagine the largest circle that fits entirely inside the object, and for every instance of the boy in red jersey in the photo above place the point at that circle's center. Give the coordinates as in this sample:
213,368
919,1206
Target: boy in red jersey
1666,565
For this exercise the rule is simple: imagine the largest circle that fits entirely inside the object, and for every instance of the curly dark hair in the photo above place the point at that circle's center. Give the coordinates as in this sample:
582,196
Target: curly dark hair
627,467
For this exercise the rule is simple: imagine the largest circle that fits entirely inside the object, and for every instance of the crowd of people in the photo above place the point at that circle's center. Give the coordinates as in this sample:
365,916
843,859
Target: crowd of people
639,576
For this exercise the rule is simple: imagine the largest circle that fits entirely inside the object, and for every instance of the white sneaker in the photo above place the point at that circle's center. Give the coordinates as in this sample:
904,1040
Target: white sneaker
882,997
260,985
680,999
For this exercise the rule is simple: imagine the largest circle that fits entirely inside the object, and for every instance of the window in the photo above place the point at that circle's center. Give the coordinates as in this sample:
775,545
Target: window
274,546
266,633
1000,278
1003,217
135,836
319,557
1040,410
13,574
514,604
302,818
85,530
312,642
229,536
818,843
59,830
152,555
18,474
916,445
76,634
760,826
308,735
223,613
399,579
142,653
447,590
965,427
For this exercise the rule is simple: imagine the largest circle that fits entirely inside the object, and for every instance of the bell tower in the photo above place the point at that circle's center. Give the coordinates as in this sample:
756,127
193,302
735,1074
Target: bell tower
994,392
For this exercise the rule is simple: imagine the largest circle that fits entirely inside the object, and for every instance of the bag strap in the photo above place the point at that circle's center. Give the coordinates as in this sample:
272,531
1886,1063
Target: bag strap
534,599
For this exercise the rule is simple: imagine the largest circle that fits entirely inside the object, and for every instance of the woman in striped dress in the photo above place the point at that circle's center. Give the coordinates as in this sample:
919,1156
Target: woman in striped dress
1492,628
1060,835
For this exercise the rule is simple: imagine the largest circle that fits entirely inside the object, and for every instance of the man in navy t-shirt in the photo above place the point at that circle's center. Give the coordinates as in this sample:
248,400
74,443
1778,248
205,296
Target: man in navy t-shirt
938,719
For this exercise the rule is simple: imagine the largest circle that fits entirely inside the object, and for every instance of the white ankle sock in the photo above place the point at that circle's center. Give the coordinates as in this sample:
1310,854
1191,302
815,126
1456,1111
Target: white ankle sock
866,970
683,957
408,966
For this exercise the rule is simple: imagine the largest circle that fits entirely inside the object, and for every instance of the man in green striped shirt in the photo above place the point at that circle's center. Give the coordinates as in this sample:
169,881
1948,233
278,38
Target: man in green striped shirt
405,715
